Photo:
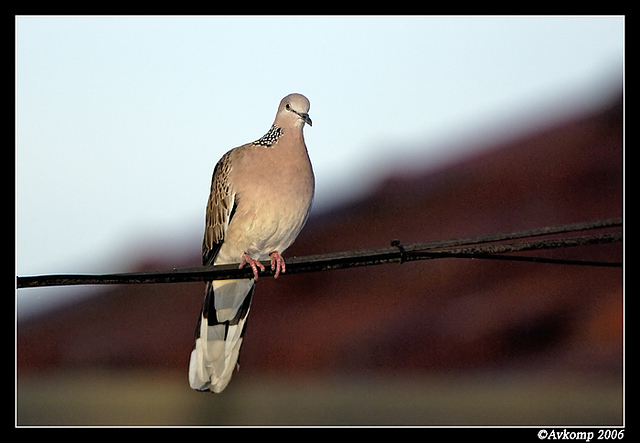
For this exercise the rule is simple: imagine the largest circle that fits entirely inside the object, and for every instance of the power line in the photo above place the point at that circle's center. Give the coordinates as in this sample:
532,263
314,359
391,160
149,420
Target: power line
481,247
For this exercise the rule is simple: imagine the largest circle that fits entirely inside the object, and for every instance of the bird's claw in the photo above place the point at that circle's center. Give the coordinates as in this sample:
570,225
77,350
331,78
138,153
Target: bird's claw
255,264
277,263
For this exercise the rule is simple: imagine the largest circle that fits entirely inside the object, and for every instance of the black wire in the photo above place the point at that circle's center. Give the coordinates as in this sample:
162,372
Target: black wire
474,247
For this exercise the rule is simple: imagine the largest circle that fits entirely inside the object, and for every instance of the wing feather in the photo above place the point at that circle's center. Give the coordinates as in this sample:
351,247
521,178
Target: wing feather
220,209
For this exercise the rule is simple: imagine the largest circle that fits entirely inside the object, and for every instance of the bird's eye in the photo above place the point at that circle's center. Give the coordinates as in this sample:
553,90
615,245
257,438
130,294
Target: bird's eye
287,106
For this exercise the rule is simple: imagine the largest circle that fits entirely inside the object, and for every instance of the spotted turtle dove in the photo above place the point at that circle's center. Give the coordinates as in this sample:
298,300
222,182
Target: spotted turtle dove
261,194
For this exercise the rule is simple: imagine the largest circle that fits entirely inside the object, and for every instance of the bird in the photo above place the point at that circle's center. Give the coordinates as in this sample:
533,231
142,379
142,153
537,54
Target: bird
260,198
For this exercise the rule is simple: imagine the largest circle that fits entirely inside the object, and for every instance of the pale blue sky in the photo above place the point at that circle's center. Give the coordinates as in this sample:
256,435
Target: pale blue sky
120,120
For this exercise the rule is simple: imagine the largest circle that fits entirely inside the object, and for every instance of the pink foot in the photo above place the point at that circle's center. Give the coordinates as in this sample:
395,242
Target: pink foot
255,264
277,263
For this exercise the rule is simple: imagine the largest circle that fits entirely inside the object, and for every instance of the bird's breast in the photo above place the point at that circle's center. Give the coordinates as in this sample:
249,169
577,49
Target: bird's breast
273,202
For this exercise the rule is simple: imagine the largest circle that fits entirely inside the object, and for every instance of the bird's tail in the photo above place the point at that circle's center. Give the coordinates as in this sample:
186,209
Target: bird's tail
219,333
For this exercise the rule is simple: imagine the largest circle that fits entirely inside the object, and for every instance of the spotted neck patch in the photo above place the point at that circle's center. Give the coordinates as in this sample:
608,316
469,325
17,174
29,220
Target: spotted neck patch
270,137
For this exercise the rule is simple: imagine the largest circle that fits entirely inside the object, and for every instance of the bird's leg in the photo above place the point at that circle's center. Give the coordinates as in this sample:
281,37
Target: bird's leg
255,264
277,263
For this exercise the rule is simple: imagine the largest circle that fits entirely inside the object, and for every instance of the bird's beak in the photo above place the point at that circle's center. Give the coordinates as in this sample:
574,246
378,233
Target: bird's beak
305,117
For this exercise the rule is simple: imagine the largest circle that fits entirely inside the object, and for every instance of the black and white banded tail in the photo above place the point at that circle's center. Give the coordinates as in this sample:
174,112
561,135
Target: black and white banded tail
219,333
